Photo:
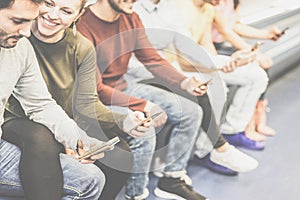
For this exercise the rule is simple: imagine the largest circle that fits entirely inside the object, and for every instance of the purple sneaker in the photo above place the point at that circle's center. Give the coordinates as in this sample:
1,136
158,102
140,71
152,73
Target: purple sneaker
207,163
241,140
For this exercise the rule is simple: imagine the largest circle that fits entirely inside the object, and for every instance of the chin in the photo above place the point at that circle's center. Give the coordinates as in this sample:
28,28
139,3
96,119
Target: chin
128,11
8,46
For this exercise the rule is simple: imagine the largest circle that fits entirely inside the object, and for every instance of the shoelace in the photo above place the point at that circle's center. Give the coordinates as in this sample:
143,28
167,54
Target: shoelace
186,179
189,187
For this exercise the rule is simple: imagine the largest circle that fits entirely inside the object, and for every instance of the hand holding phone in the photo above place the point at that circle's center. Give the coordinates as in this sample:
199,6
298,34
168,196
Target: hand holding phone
276,33
206,83
282,32
257,45
147,119
99,148
285,29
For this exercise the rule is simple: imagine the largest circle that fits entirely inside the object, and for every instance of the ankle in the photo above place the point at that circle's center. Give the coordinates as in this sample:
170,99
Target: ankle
223,148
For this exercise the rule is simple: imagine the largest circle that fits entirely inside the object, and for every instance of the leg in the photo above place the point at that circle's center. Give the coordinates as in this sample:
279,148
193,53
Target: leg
224,158
186,116
81,181
142,149
40,169
252,81
115,178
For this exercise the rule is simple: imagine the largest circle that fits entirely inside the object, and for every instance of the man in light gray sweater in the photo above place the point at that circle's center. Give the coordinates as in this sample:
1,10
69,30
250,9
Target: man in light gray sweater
20,76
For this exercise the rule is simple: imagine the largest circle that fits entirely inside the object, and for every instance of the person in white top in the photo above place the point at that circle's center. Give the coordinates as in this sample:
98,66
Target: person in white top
165,28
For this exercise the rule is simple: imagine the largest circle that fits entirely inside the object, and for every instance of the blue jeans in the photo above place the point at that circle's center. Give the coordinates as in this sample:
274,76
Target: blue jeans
81,181
142,149
185,115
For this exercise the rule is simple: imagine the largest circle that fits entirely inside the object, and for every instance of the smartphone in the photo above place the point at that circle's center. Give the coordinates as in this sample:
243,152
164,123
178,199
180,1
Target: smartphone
283,30
146,120
205,83
100,148
257,44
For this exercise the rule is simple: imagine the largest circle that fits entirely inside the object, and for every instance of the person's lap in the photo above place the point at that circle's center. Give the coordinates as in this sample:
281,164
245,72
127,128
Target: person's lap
74,172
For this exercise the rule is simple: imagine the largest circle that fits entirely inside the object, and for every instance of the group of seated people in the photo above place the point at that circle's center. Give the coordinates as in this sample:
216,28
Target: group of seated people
126,68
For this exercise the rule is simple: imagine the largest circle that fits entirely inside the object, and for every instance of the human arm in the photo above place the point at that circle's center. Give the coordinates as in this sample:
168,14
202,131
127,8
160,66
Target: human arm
228,33
31,91
86,101
247,31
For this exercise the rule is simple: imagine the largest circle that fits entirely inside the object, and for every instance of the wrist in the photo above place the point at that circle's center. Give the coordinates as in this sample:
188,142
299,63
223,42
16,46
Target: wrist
184,84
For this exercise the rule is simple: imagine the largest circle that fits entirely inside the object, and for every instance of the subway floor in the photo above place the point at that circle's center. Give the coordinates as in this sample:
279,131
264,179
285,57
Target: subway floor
278,174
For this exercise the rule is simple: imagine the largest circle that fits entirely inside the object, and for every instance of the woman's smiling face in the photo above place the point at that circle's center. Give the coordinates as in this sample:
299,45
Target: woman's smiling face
56,16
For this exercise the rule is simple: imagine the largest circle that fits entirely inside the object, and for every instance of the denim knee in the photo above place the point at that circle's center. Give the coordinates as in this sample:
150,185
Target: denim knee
190,111
84,181
96,181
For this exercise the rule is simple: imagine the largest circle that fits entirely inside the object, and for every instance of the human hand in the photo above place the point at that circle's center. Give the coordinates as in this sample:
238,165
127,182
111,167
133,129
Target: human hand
83,149
136,124
275,33
241,58
194,86
152,109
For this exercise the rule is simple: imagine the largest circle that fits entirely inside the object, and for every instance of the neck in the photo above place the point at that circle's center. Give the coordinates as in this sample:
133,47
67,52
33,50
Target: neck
199,4
104,11
47,39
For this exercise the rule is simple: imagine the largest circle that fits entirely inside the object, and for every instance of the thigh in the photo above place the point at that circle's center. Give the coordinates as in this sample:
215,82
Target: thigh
32,135
10,184
79,177
173,104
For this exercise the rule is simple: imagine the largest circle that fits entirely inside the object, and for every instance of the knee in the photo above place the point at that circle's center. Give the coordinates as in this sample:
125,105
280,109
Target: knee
192,111
98,181
92,182
260,78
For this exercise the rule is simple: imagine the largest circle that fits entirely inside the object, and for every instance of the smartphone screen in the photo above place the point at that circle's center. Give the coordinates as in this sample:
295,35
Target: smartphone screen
100,148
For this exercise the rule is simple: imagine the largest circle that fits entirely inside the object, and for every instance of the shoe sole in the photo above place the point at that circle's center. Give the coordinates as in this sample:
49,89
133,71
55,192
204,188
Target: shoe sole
166,195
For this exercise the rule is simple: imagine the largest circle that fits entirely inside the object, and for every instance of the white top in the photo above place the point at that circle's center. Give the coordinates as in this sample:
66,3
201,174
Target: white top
20,75
164,27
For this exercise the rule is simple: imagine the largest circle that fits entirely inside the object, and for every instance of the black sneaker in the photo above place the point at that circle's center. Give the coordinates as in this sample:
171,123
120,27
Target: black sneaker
176,188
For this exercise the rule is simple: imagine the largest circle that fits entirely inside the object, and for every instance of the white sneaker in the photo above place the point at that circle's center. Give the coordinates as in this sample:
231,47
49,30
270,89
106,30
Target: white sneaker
234,160
140,197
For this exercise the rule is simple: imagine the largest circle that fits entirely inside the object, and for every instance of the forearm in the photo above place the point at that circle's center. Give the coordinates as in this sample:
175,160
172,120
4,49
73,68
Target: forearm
228,33
250,32
236,41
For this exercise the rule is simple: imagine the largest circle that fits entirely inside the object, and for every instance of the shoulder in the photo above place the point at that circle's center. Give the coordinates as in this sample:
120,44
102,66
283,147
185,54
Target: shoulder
209,7
80,45
78,41
210,10
132,19
24,45
25,52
